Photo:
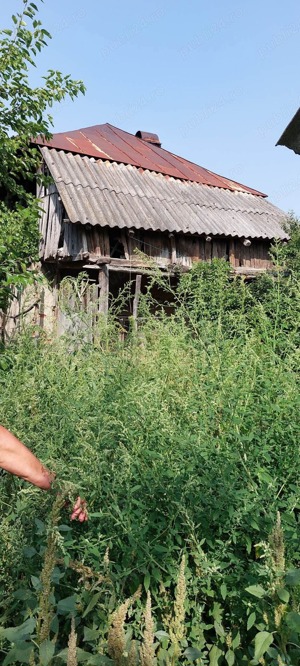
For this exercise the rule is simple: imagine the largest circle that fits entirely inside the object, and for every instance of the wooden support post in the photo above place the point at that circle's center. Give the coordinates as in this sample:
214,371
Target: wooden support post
3,320
42,308
123,240
173,249
138,281
131,243
208,245
231,252
103,281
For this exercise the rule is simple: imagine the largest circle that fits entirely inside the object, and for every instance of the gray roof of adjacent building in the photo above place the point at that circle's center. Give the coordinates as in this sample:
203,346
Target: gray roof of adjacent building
291,135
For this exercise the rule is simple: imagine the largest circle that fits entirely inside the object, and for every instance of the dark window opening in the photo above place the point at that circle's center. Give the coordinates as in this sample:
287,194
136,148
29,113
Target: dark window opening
116,247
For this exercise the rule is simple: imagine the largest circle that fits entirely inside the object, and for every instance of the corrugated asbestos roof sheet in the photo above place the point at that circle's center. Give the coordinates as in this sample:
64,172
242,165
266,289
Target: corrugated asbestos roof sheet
105,193
111,143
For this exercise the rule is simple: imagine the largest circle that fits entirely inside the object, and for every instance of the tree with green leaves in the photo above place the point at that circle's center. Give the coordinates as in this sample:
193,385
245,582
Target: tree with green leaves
291,250
24,115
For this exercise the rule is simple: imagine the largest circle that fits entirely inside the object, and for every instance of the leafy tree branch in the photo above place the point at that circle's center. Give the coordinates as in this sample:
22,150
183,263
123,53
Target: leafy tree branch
24,115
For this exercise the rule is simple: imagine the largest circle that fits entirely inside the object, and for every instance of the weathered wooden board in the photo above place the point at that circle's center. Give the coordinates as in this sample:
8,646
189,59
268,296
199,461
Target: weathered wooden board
188,250
231,257
53,225
43,226
219,249
208,251
103,282
157,246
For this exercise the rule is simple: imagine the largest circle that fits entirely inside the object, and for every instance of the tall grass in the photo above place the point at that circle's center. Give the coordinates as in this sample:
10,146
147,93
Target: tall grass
184,439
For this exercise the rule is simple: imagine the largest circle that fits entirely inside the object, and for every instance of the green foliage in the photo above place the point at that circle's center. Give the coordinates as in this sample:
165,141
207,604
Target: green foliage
290,252
18,248
24,110
24,115
184,439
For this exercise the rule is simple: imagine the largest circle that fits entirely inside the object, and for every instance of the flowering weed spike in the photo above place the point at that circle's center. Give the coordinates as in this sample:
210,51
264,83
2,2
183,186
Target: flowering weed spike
72,652
147,647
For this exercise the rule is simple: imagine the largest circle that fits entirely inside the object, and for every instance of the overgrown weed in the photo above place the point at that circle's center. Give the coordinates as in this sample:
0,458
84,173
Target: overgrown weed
184,439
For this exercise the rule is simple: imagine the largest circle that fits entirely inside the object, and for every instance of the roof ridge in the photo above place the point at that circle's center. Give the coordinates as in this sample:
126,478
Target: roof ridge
183,159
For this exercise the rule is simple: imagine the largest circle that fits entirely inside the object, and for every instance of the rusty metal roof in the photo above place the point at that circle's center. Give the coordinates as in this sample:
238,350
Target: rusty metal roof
107,142
106,193
291,135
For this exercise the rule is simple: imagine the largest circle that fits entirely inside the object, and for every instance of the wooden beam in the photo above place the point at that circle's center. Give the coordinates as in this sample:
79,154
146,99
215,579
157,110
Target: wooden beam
138,282
103,281
115,269
101,260
42,309
248,271
134,263
164,270
134,270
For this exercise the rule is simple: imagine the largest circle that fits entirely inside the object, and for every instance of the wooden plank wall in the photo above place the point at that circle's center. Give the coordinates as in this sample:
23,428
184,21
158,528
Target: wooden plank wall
157,246
219,248
74,241
188,250
254,256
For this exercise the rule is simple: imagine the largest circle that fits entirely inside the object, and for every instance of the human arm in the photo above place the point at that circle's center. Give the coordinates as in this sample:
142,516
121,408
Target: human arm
17,459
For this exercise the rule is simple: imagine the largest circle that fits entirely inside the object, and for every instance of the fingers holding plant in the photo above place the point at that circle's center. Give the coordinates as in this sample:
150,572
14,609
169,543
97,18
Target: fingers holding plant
79,510
66,492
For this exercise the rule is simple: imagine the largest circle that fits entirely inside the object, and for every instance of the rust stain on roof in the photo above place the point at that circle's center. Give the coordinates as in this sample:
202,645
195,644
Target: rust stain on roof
111,143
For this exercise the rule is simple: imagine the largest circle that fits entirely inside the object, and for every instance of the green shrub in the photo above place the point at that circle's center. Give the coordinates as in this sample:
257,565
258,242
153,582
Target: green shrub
184,439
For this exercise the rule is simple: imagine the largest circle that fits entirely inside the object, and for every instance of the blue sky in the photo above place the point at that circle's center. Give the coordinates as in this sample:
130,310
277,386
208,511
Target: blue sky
218,82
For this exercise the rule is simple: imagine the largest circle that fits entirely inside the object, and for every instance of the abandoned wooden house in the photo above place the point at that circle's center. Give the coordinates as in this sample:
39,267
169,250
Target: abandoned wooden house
119,203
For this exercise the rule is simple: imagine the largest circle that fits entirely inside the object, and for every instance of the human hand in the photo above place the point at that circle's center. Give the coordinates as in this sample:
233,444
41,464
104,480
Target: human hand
79,510
48,478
